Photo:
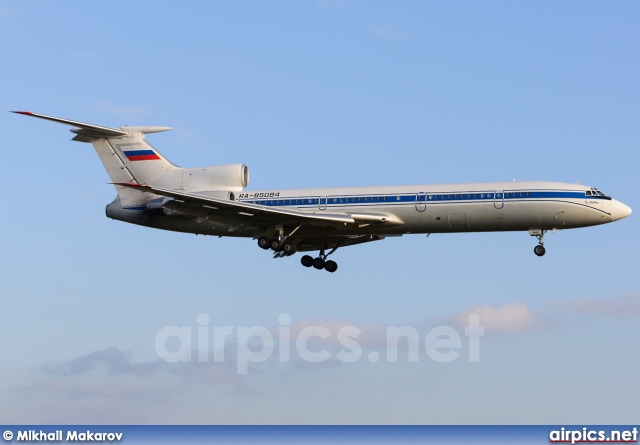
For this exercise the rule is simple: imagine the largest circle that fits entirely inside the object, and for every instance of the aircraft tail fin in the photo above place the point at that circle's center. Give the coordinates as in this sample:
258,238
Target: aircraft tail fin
125,154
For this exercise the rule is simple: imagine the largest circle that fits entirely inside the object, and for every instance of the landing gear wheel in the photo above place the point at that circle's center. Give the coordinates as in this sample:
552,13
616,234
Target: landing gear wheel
307,261
318,263
264,242
330,266
276,245
539,250
289,248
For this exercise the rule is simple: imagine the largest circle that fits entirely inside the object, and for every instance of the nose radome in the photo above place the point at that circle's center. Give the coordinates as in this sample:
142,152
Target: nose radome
619,210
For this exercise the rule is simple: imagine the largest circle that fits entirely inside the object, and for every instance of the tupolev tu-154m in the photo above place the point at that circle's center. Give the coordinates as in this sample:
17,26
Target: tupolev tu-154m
155,193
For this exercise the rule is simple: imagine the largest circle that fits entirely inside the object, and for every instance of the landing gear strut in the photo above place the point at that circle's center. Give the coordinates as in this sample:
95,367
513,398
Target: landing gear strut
320,262
539,249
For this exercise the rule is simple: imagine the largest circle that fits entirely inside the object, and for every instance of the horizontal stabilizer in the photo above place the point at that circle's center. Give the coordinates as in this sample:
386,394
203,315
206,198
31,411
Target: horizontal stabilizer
87,130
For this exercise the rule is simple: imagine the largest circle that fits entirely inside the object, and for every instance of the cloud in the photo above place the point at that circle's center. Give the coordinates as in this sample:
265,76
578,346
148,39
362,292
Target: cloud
511,317
107,386
624,306
112,360
387,32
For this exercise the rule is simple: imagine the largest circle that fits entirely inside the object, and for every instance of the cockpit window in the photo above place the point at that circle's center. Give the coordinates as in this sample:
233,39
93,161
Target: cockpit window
595,192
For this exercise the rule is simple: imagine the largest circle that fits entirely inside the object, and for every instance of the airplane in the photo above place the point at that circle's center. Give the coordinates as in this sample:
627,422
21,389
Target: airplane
155,193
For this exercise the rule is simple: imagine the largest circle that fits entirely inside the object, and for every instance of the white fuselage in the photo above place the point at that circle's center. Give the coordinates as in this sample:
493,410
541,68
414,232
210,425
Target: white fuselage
431,208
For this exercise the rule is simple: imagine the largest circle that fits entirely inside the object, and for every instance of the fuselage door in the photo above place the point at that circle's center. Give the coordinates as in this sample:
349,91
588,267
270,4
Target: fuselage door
421,201
498,199
322,203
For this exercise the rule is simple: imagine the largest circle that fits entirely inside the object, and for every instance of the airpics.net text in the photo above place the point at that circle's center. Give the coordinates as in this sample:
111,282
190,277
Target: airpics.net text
313,343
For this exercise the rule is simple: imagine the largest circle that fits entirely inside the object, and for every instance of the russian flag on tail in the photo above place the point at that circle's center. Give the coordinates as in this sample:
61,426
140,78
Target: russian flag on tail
141,155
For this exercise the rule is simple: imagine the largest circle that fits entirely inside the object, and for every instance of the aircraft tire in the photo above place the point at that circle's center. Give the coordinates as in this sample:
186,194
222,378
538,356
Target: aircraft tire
539,250
306,261
264,242
318,263
289,248
331,266
276,245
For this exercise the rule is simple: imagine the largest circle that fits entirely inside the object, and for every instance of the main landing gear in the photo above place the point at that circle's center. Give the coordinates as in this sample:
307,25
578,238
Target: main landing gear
283,247
320,262
277,245
539,249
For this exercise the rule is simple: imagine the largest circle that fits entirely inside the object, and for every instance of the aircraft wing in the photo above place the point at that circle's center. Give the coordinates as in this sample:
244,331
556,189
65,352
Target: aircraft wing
239,214
258,214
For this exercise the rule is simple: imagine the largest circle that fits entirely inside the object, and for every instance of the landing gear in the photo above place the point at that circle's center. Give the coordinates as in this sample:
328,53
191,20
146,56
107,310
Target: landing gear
539,249
284,245
281,243
320,262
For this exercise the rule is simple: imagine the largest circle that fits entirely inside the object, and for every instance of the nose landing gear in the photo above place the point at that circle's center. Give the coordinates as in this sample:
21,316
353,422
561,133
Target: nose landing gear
539,249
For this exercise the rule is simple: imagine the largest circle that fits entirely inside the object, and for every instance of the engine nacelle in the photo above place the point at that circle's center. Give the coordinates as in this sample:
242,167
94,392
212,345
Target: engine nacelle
218,177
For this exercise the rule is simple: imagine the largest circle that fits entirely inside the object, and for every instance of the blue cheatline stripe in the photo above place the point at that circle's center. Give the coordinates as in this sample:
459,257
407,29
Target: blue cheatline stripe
341,200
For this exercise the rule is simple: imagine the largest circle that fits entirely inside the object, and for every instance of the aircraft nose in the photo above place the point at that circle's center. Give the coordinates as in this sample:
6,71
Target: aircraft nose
619,210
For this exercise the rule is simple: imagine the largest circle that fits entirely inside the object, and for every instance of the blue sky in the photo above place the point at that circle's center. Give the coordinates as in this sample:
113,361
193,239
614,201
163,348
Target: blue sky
312,94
